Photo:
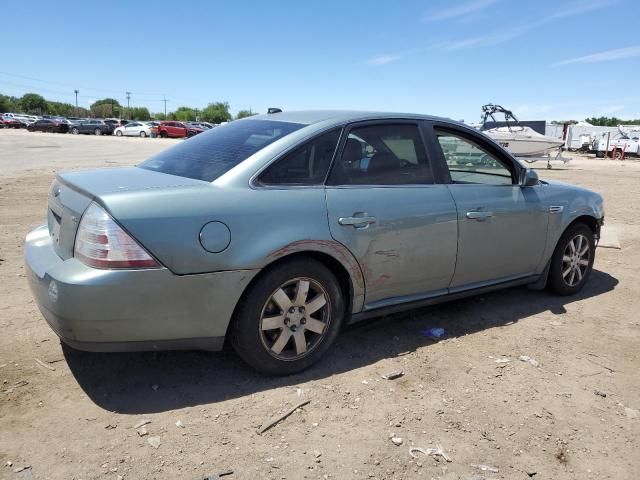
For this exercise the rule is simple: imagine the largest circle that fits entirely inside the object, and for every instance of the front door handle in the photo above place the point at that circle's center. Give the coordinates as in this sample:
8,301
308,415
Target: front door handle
479,215
359,220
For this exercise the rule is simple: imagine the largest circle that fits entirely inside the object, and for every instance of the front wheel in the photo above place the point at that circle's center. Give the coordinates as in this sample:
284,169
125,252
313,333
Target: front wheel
143,134
289,318
572,261
97,131
74,131
118,133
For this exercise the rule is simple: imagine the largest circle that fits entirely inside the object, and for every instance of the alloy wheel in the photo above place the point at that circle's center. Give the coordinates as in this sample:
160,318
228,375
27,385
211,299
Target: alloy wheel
295,319
575,260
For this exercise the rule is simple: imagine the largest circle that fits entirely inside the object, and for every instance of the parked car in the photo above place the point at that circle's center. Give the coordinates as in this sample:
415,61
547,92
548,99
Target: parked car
133,129
96,127
273,231
177,130
10,121
50,126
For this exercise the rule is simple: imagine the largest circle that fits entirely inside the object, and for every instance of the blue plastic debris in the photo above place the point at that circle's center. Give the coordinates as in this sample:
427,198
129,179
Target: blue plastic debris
434,333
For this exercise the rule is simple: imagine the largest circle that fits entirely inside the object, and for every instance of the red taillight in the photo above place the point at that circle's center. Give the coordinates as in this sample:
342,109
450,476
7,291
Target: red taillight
102,243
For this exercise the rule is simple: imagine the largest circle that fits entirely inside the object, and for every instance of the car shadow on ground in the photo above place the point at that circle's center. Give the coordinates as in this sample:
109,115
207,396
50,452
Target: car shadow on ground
148,382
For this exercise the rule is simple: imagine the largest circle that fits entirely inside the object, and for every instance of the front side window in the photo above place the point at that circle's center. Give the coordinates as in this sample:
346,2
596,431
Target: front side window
214,152
470,163
306,165
383,155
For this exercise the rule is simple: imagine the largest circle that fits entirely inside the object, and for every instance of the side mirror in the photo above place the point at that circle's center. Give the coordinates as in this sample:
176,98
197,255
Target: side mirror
529,178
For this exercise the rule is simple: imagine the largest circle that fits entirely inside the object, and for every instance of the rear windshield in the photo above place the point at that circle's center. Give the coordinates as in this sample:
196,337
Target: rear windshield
214,152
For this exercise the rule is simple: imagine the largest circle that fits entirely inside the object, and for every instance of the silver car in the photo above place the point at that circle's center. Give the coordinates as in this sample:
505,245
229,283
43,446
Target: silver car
274,231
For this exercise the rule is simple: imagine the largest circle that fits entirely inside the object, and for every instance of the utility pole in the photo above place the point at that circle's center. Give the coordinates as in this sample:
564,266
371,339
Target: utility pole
164,99
76,92
128,110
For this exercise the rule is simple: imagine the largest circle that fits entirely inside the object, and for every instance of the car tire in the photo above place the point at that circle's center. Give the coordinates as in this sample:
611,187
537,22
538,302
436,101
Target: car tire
143,134
572,260
599,154
163,135
118,133
272,331
97,131
74,131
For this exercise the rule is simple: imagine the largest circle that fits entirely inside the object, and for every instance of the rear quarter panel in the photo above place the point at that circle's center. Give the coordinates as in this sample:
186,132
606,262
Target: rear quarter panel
265,225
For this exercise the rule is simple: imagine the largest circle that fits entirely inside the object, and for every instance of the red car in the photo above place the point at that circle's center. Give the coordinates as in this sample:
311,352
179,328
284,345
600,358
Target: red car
176,130
12,123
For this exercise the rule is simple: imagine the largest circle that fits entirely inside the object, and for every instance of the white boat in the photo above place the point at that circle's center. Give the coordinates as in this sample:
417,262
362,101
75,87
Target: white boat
521,141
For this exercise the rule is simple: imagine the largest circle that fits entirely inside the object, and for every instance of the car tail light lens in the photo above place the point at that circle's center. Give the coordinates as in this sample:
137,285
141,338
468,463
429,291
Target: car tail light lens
102,243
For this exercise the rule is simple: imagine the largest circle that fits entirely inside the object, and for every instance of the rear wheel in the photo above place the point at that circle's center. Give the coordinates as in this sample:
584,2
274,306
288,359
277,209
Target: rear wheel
74,131
289,318
572,261
97,131
143,134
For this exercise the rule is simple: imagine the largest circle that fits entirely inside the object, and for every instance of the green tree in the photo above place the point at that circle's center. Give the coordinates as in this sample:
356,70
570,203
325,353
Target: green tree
185,114
8,104
159,116
216,113
244,114
139,113
107,107
33,103
60,108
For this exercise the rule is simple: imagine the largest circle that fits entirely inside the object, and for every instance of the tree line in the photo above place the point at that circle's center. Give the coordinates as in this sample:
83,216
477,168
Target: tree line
32,103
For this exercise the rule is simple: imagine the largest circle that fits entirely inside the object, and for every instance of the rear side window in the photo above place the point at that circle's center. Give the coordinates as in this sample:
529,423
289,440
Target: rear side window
214,152
306,165
385,154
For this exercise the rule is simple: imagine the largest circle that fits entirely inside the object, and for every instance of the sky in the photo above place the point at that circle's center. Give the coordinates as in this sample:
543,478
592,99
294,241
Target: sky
543,59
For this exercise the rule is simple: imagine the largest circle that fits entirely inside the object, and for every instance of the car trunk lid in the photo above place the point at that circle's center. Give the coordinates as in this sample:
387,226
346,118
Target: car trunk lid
72,192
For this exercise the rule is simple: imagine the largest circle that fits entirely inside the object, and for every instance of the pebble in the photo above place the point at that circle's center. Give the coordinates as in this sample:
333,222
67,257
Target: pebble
527,358
179,424
396,440
154,441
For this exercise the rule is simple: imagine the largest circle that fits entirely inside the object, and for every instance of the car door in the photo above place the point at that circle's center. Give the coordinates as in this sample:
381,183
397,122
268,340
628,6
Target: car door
387,205
502,226
131,129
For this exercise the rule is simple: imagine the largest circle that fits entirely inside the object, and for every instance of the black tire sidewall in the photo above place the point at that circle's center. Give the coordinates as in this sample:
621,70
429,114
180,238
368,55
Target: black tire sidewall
556,282
244,329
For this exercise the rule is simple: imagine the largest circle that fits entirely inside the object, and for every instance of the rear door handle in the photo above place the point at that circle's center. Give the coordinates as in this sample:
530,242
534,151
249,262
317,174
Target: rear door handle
479,215
359,220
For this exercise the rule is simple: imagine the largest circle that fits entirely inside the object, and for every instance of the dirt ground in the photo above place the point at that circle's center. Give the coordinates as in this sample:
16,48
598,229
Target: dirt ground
72,415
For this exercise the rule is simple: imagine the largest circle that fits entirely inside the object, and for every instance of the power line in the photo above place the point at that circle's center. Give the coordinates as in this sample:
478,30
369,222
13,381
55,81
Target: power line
51,82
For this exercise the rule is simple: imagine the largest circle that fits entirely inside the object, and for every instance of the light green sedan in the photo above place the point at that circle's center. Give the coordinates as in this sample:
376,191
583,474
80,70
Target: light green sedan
274,231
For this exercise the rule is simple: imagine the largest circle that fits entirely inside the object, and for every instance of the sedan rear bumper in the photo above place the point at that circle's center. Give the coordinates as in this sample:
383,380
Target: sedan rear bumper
130,310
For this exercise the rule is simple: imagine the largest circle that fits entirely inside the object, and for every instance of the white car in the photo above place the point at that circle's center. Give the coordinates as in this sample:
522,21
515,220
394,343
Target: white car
133,129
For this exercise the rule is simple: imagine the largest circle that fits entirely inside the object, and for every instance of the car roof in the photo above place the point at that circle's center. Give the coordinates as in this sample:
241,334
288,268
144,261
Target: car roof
309,117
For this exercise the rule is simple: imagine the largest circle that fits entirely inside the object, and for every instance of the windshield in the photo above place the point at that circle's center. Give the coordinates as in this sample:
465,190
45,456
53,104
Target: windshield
216,151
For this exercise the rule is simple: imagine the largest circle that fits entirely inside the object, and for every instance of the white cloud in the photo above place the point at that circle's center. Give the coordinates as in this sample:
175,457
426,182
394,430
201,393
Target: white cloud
383,60
504,35
456,11
490,39
609,55
580,8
